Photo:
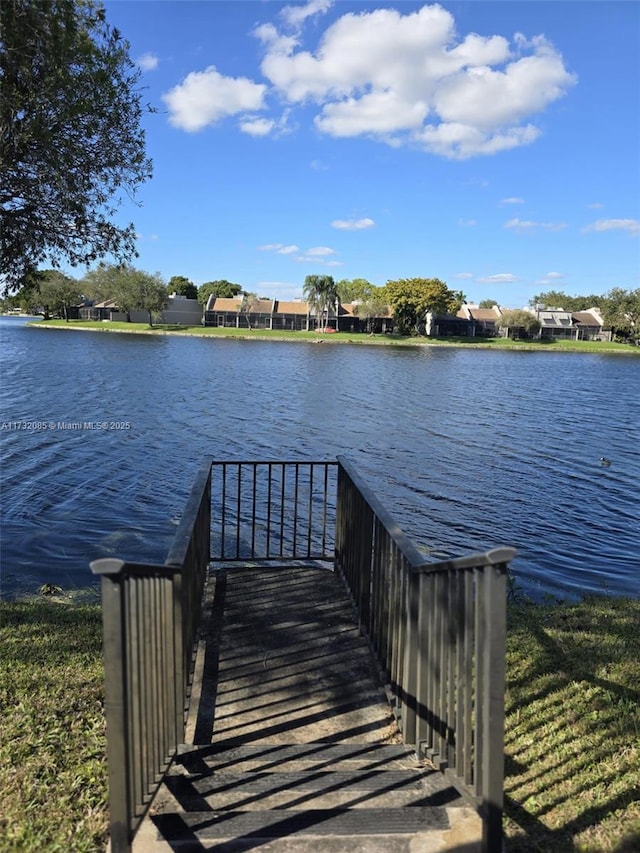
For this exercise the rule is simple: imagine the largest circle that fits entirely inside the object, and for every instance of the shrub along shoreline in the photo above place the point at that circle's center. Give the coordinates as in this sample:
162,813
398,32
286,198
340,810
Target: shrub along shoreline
572,726
357,338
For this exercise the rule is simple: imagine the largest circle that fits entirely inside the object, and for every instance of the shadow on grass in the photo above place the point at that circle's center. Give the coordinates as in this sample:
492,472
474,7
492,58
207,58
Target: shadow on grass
571,725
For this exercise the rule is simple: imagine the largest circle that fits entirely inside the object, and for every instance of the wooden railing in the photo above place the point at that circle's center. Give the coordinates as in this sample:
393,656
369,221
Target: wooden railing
270,510
438,632
150,616
436,629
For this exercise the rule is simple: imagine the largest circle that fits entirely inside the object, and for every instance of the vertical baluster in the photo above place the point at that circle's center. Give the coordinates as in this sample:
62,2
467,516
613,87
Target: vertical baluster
282,499
410,659
422,663
295,509
452,632
468,693
493,662
269,476
324,509
238,511
224,508
310,510
253,512
479,646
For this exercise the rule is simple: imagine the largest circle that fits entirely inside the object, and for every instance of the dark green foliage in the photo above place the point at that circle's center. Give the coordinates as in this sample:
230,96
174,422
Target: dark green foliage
70,138
54,293
183,286
220,288
411,299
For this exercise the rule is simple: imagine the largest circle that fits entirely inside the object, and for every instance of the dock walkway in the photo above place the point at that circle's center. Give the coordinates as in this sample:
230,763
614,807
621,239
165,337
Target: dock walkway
291,745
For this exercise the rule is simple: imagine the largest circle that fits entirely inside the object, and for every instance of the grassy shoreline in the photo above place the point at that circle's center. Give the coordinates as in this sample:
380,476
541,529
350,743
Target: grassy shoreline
355,338
572,727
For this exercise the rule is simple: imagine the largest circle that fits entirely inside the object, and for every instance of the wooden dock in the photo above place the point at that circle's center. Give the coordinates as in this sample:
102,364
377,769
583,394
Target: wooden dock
291,745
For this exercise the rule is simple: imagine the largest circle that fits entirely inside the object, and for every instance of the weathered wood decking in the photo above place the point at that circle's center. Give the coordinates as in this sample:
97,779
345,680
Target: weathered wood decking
291,744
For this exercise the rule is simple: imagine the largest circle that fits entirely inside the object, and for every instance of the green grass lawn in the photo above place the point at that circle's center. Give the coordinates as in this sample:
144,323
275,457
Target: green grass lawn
53,773
342,337
572,727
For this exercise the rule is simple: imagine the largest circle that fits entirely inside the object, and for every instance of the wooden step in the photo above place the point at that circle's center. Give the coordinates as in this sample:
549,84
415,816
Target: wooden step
287,757
309,789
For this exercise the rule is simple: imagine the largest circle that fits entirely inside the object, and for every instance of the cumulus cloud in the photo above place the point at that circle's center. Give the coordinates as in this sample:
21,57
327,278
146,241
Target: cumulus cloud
552,275
512,200
352,224
410,79
147,62
205,97
630,225
401,78
530,225
499,278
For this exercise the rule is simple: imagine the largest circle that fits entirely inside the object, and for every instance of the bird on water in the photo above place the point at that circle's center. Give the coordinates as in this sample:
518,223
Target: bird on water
604,461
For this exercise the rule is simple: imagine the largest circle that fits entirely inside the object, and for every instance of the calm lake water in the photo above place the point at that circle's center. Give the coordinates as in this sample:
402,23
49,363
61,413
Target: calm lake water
468,449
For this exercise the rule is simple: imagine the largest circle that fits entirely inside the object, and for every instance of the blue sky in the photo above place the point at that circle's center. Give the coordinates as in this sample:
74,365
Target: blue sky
494,145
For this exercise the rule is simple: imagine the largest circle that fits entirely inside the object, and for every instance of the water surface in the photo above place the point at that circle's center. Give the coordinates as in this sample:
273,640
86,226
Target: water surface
469,449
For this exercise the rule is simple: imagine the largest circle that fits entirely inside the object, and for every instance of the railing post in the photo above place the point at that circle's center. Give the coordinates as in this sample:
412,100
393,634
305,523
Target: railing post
180,665
493,662
115,689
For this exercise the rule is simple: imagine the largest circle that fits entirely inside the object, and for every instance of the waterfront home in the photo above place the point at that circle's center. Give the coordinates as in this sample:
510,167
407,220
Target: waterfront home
281,315
179,310
573,325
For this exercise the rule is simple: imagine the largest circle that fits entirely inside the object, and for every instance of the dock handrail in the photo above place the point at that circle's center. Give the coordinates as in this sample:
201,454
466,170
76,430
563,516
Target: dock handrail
150,616
438,632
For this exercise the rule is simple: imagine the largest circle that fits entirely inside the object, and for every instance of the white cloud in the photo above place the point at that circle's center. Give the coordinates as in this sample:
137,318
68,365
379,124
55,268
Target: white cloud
512,200
529,225
319,166
294,16
320,251
288,250
410,79
499,278
595,206
147,62
352,224
257,126
467,223
555,275
464,275
206,97
630,225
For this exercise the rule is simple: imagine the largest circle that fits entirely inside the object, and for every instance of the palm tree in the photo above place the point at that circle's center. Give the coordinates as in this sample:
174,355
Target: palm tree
321,293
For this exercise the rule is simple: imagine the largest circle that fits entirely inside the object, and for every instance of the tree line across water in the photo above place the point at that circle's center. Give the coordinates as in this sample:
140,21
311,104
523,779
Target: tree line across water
53,293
